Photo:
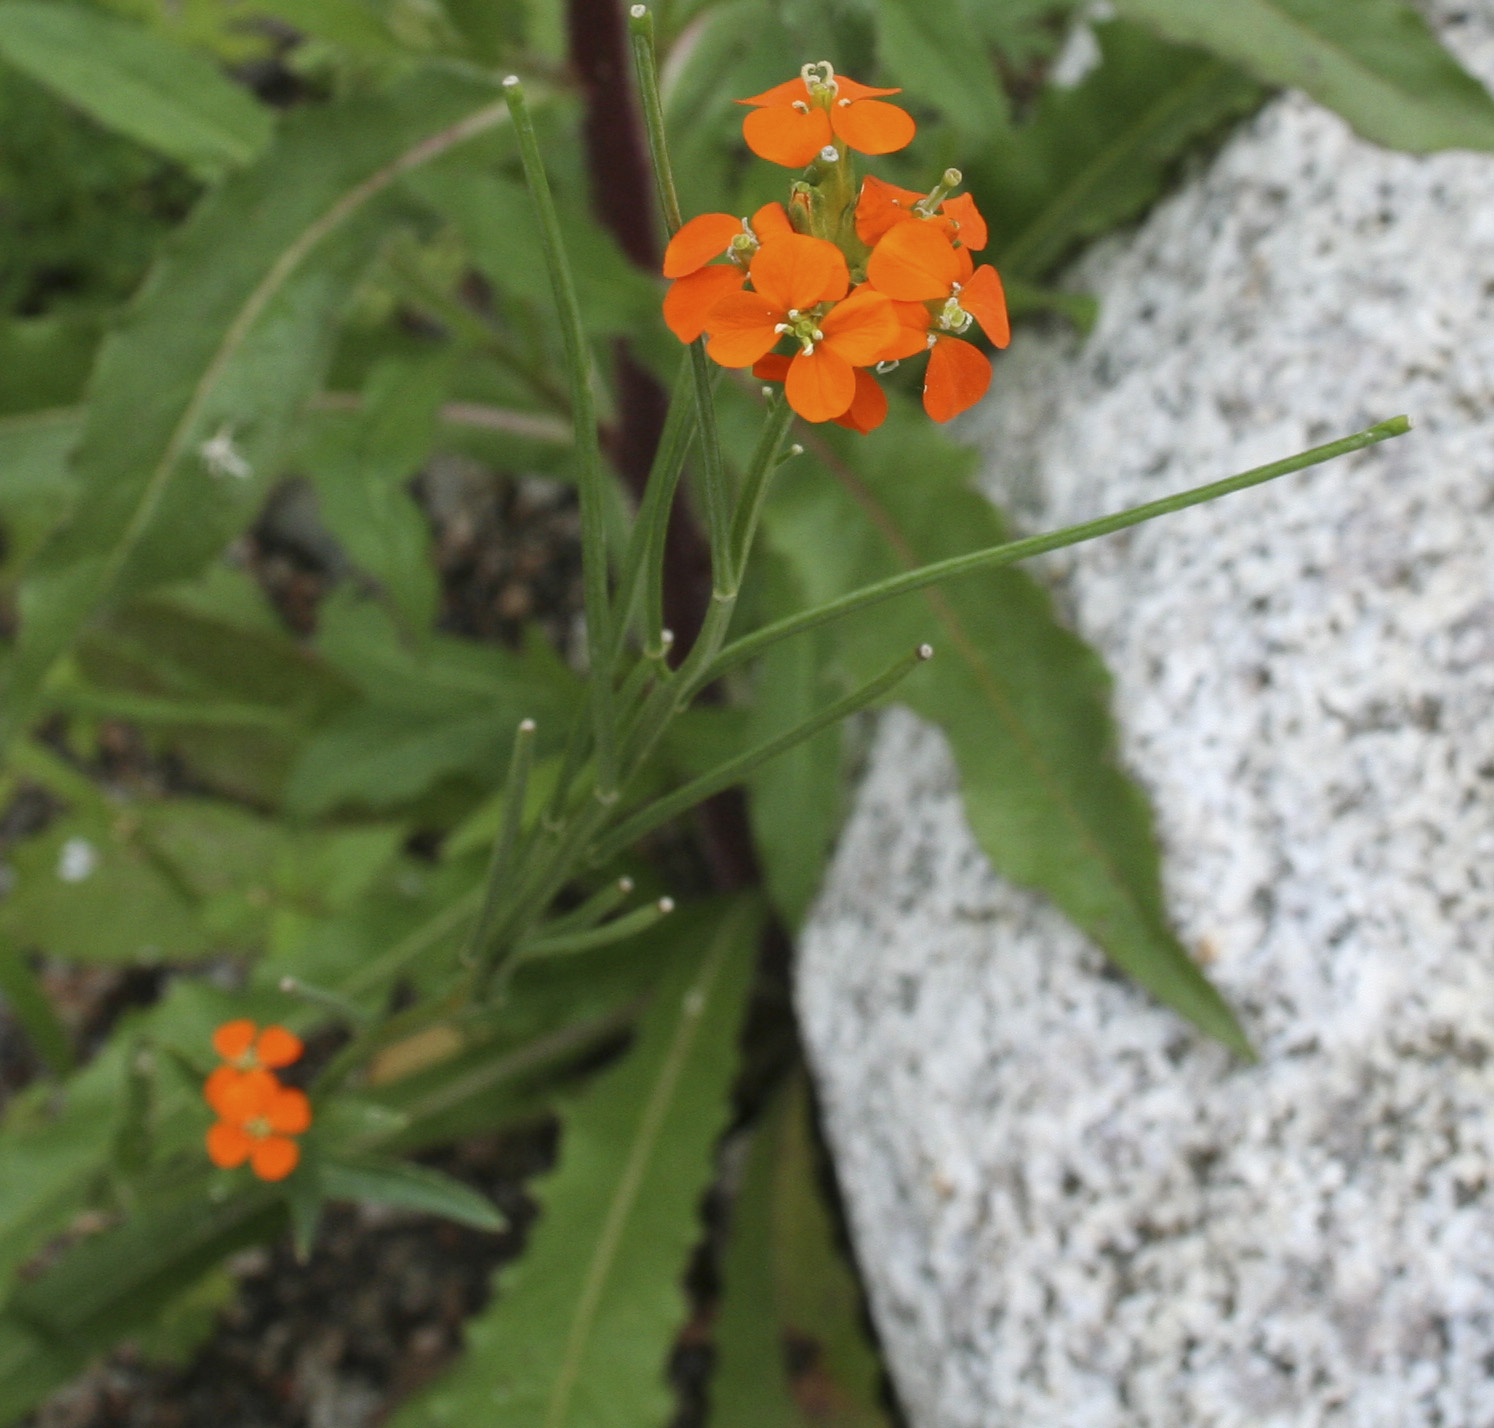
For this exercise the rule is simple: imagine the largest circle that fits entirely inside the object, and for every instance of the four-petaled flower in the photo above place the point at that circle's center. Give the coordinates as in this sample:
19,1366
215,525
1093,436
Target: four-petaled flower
800,292
938,292
699,280
882,204
256,1114
256,1118
792,122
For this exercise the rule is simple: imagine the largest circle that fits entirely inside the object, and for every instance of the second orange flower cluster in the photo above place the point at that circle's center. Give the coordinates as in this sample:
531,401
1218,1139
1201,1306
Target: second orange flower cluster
863,289
257,1115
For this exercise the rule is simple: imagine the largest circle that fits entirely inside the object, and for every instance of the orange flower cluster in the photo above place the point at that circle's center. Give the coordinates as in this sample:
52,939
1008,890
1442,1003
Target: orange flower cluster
256,1114
846,279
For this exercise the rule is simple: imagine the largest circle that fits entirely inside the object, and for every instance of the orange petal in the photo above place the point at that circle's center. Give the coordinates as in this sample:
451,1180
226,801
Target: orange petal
240,1095
742,328
861,328
984,299
784,135
691,297
868,409
972,230
706,236
275,1157
785,93
957,377
770,221
821,385
913,263
233,1039
880,206
967,265
872,127
228,1145
912,332
797,271
289,1111
850,89
772,368
276,1047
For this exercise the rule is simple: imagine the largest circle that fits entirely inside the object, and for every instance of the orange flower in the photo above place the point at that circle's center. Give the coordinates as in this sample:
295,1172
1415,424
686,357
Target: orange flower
242,1044
256,1118
868,409
915,264
792,122
881,205
799,292
691,256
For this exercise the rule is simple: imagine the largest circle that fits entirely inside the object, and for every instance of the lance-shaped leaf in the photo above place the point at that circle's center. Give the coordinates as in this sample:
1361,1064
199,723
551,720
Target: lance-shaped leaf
582,1326
1023,701
192,398
159,93
790,1296
1096,155
1374,61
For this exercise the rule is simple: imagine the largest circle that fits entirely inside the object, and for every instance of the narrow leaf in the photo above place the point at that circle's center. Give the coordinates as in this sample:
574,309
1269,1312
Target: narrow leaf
1376,62
935,53
192,398
582,1326
1095,155
409,1187
29,1004
1022,700
168,98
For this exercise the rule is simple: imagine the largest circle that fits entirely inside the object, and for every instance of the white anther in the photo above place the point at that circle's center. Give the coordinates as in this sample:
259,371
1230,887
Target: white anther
809,349
781,328
796,450
767,391
883,368
818,335
638,11
801,106
830,154
511,81
930,343
843,103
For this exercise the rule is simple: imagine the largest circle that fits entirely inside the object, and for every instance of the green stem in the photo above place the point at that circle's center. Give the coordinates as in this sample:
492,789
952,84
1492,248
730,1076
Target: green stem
589,474
643,566
476,951
1011,552
629,925
733,771
755,488
30,1005
333,1003
713,469
592,911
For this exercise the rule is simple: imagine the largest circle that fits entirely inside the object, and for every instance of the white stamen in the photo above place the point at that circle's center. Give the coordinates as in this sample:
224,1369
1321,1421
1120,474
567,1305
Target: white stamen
843,103
929,345
638,11
809,349
222,457
793,312
781,328
883,368
830,154
818,335
801,106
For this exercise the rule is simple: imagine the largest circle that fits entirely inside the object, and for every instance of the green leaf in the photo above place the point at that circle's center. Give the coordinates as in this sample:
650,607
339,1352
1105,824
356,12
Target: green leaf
1376,62
409,1187
1023,702
795,800
36,487
192,399
354,25
934,52
27,1001
164,96
361,465
788,1290
1096,155
582,1327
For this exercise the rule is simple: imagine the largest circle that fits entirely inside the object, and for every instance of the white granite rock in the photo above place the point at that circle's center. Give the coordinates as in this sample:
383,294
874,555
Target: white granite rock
1074,1213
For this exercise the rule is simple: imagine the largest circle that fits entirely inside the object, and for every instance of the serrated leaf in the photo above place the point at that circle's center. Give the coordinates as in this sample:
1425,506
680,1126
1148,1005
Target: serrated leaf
404,1186
1095,155
192,398
1023,701
158,93
582,1326
1376,62
788,1290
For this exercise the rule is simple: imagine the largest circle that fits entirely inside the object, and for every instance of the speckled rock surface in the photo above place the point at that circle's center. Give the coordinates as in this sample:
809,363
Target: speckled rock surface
1073,1213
